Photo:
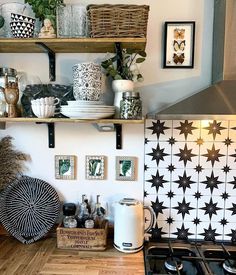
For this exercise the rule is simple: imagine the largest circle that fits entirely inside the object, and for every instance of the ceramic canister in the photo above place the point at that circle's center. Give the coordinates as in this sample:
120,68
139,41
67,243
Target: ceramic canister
87,81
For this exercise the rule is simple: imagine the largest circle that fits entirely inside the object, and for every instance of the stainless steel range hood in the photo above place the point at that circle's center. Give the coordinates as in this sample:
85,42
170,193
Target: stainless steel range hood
220,98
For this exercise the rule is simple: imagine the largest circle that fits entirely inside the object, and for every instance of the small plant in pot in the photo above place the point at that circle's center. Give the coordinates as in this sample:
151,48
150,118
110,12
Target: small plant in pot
128,68
124,71
45,9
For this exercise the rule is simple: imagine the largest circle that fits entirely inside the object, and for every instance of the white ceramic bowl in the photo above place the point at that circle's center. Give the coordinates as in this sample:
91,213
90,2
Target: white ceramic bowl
43,111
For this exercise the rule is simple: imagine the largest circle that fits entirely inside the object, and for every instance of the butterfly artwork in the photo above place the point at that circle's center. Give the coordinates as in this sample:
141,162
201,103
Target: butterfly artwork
178,58
179,33
179,46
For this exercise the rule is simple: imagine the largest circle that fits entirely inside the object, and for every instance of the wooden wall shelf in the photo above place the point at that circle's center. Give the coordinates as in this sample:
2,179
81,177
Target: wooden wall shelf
104,125
69,45
51,46
69,120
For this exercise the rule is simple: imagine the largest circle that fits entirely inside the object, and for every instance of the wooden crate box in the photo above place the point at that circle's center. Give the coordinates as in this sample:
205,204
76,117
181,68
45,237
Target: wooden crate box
82,238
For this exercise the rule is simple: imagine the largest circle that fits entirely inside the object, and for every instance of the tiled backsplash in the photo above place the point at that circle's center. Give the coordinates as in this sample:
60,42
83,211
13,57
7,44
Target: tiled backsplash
190,178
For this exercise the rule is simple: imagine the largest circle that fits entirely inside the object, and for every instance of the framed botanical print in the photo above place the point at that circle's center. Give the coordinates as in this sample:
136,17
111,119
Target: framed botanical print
95,167
179,38
125,168
65,167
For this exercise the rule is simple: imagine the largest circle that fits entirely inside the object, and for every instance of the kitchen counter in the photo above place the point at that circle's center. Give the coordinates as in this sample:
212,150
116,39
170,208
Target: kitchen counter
43,257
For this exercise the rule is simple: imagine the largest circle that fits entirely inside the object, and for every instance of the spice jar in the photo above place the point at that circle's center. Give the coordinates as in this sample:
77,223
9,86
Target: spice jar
131,106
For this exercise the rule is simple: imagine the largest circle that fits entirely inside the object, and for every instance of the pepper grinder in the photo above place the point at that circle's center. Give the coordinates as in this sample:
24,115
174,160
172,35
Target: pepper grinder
69,220
11,93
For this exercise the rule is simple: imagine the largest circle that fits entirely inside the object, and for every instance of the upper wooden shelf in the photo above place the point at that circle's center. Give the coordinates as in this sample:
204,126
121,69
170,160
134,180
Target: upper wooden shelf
69,45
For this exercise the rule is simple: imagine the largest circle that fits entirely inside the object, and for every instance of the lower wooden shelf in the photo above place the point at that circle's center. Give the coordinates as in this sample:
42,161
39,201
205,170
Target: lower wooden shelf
70,120
104,125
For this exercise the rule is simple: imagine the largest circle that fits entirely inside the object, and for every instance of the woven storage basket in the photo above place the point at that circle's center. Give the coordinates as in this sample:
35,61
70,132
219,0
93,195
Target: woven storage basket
118,20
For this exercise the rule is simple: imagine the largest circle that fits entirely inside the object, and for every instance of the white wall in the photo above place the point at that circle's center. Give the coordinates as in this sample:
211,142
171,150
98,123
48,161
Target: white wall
161,88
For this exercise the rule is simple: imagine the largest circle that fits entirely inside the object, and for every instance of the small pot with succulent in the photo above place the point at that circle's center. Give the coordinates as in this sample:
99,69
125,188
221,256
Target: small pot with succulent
46,9
124,71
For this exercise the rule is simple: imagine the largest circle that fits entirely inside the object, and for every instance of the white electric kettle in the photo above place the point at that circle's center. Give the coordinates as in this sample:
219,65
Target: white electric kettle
129,225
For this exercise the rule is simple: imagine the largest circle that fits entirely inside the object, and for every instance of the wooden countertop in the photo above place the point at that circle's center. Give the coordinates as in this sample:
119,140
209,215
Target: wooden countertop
43,257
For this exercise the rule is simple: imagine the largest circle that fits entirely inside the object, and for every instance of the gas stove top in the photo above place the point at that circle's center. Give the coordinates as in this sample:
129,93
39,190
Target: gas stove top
189,258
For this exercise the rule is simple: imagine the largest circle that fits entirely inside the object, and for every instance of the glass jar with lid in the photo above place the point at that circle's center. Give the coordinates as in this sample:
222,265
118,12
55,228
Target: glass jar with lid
131,106
69,220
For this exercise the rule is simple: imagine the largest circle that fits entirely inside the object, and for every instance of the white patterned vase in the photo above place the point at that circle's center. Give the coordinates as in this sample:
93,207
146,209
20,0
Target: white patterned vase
87,81
119,86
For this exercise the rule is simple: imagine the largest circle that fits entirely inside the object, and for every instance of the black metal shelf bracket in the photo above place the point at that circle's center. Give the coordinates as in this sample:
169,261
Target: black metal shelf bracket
118,128
119,55
51,133
51,59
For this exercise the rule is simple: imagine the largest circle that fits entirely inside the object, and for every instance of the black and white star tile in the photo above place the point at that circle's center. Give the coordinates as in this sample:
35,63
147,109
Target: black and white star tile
157,181
213,130
158,130
212,182
190,178
186,130
158,154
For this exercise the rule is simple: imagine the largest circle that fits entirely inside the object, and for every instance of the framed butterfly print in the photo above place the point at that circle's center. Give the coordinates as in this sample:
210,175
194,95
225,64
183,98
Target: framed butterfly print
179,38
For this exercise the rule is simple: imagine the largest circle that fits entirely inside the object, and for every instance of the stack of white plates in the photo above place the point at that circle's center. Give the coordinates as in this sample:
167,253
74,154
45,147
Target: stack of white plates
82,109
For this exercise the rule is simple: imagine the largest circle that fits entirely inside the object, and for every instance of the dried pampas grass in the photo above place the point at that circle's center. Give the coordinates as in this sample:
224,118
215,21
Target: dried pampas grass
12,162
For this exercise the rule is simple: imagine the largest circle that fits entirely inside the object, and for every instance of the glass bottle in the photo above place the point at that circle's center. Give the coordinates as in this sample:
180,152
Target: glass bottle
131,106
98,214
69,220
83,214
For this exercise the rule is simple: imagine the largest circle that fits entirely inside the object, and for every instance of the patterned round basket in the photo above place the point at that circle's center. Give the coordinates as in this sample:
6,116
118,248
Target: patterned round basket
29,207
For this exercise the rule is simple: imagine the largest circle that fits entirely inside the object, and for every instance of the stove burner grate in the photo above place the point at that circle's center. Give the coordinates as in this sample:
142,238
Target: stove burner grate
173,264
230,266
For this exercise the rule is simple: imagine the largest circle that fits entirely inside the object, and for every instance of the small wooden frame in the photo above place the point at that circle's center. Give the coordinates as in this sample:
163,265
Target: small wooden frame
125,168
95,167
83,238
65,167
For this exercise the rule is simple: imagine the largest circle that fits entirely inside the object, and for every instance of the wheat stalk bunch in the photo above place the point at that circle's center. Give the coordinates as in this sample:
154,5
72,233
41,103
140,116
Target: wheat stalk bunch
12,162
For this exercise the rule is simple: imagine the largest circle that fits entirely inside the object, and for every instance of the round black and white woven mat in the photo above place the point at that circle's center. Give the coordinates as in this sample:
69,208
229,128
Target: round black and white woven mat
29,207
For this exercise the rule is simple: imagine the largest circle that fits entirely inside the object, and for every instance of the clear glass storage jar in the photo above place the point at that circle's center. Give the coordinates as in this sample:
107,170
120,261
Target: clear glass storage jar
131,106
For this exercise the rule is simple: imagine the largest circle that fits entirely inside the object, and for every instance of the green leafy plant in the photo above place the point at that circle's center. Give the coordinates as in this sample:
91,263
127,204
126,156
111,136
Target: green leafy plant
126,165
128,68
64,166
93,166
45,8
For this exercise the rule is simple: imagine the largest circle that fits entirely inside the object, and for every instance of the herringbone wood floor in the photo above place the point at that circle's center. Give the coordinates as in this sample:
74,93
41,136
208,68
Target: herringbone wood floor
43,257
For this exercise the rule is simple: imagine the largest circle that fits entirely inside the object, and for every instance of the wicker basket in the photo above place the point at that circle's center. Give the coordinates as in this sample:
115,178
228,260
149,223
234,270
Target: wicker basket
118,20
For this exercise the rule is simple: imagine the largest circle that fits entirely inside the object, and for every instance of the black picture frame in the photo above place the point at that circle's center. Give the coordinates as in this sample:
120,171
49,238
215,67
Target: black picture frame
179,40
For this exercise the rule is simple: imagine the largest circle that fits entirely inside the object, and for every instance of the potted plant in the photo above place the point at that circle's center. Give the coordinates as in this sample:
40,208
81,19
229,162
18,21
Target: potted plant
45,9
124,71
128,69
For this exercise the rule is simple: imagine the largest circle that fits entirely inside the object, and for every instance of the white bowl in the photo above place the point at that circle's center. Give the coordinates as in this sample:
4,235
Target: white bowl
43,111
